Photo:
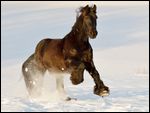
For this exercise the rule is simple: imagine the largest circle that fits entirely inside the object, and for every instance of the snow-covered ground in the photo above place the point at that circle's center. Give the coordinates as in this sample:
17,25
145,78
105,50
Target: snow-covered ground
121,55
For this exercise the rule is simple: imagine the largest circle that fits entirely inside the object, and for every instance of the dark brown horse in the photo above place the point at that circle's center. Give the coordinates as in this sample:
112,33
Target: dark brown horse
72,54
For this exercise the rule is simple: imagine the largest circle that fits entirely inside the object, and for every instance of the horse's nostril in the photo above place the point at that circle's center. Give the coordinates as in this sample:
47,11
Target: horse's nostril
96,32
93,32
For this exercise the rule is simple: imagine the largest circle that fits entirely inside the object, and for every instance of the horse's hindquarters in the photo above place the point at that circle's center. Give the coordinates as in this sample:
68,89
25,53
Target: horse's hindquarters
33,76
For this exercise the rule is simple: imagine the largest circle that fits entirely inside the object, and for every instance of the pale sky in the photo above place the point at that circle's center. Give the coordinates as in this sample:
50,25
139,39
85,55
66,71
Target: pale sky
59,4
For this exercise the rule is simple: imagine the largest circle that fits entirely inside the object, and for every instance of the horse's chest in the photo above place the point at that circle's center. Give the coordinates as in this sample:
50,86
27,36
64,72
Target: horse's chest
87,55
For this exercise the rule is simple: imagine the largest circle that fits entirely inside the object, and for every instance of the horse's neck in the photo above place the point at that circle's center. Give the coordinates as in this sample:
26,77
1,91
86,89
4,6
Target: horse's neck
79,31
78,35
80,39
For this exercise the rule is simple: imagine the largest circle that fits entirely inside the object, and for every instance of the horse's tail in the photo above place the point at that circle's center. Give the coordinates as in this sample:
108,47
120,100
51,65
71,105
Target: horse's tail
32,75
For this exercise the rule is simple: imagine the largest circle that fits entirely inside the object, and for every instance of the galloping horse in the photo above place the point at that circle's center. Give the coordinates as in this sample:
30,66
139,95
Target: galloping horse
72,54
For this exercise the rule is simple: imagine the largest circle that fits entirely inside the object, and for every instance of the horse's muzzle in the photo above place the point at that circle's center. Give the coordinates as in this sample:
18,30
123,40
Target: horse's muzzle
93,34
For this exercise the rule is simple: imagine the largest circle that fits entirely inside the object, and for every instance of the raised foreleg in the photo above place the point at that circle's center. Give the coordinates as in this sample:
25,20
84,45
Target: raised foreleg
77,70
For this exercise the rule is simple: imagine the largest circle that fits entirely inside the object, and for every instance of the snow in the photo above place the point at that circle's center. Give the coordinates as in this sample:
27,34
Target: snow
121,55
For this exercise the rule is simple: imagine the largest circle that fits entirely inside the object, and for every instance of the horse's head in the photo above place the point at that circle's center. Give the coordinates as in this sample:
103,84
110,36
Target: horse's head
89,20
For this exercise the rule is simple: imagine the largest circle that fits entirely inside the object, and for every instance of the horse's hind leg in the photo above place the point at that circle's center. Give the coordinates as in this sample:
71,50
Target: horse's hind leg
33,76
60,88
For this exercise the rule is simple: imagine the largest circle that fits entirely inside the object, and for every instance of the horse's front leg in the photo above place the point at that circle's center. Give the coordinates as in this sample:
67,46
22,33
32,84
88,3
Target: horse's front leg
99,88
77,72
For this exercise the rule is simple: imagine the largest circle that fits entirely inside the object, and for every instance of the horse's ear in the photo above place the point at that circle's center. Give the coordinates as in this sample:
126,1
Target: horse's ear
94,8
85,10
86,7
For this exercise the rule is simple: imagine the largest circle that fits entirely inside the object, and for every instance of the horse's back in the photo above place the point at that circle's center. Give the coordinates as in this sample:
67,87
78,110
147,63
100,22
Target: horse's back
49,45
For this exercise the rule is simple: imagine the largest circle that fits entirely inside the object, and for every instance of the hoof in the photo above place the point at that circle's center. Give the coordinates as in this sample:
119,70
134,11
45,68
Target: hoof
69,99
104,91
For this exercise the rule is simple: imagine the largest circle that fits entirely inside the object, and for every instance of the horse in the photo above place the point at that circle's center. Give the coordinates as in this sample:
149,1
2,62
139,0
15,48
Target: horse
72,54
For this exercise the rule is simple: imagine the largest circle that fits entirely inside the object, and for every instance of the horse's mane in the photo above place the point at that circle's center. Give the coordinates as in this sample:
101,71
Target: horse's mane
78,12
79,19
